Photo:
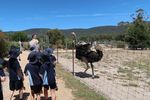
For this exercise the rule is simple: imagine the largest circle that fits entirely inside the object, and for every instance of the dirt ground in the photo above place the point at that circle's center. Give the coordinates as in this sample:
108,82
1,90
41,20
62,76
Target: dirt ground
120,75
62,92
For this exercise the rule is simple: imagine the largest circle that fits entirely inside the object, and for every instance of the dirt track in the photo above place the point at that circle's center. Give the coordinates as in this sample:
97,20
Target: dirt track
62,92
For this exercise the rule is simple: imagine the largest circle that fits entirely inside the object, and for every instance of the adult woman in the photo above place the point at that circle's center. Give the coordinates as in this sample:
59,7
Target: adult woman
34,43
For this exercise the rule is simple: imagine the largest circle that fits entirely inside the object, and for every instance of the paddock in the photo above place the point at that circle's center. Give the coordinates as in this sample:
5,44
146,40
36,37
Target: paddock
120,75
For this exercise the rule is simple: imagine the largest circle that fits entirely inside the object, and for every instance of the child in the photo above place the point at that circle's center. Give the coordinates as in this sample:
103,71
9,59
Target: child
2,77
15,73
48,72
32,70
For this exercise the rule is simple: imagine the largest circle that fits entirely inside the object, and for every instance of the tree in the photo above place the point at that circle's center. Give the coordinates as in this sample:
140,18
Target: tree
3,45
2,35
138,35
56,37
68,43
19,36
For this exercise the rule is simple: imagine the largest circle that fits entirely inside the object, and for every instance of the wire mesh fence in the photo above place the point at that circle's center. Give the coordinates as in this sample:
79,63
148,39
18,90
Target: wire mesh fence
120,75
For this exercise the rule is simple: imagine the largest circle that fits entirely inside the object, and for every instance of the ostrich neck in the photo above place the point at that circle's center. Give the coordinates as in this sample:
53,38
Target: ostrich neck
75,40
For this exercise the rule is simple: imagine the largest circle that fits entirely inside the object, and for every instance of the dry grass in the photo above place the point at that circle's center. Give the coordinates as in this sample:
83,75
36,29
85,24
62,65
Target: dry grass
80,90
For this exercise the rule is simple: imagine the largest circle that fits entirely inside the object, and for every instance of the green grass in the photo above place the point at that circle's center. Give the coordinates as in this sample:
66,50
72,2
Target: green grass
80,90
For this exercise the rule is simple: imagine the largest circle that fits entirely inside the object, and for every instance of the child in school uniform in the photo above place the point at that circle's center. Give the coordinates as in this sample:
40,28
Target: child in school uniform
48,73
2,77
32,69
15,72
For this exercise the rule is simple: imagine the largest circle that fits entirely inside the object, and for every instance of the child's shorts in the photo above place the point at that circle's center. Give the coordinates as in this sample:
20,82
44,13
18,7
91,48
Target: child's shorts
36,89
51,86
15,85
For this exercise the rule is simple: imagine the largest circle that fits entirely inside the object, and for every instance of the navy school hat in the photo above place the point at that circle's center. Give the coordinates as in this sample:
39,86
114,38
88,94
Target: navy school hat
49,51
34,57
47,54
14,52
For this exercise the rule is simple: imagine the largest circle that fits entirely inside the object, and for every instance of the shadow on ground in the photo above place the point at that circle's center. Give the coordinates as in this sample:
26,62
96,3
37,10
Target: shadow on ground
85,75
25,96
49,98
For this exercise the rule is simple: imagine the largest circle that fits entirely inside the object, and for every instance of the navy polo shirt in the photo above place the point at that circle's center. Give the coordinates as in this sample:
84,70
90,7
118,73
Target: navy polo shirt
13,66
32,70
53,59
48,72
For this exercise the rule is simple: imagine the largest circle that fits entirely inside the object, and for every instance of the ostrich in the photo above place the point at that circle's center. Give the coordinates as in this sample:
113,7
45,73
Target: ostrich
86,55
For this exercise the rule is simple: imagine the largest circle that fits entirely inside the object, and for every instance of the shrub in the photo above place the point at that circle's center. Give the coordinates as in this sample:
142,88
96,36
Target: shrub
3,48
3,45
120,44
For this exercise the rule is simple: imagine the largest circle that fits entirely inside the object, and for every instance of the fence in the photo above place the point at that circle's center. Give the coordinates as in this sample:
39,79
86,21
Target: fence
120,75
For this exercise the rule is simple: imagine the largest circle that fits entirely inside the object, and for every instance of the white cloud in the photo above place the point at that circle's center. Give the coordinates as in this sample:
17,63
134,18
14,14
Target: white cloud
92,15
72,15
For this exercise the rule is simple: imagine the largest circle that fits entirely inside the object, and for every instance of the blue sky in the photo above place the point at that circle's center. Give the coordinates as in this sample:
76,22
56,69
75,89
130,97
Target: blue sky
65,14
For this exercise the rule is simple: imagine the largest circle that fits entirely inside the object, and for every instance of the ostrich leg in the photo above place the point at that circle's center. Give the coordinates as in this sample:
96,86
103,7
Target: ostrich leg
87,67
86,62
92,66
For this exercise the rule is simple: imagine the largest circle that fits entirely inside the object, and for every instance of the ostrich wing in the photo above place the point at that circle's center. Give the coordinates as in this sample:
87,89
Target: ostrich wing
93,56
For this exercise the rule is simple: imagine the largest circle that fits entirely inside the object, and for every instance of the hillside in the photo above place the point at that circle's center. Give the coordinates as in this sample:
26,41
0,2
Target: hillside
82,32
98,30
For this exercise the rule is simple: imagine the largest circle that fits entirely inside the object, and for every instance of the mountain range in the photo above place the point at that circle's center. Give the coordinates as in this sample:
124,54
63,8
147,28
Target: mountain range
81,32
121,28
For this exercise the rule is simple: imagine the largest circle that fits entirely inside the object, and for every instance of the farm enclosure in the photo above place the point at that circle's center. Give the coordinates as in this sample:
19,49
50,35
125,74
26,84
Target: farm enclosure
120,75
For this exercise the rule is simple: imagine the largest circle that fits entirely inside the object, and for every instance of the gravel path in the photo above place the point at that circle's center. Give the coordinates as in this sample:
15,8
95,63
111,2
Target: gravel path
64,92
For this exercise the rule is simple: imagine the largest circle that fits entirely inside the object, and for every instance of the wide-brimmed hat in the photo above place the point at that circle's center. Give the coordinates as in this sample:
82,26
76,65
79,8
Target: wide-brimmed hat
34,57
49,51
14,52
47,54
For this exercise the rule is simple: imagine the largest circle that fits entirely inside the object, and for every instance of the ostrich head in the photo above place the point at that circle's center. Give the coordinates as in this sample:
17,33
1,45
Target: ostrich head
74,36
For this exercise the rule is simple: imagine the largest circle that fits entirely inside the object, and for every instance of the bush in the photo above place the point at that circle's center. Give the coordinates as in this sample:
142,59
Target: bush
19,36
3,45
138,32
16,44
120,44
3,48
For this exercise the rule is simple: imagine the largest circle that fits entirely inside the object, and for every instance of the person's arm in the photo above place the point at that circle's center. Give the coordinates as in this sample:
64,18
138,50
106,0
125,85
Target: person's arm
41,71
2,76
54,60
37,41
25,70
20,73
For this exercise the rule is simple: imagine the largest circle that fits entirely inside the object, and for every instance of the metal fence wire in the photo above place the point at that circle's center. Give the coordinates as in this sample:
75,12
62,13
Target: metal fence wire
122,74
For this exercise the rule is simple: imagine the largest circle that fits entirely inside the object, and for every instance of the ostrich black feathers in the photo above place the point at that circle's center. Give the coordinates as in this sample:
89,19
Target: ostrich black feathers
84,50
